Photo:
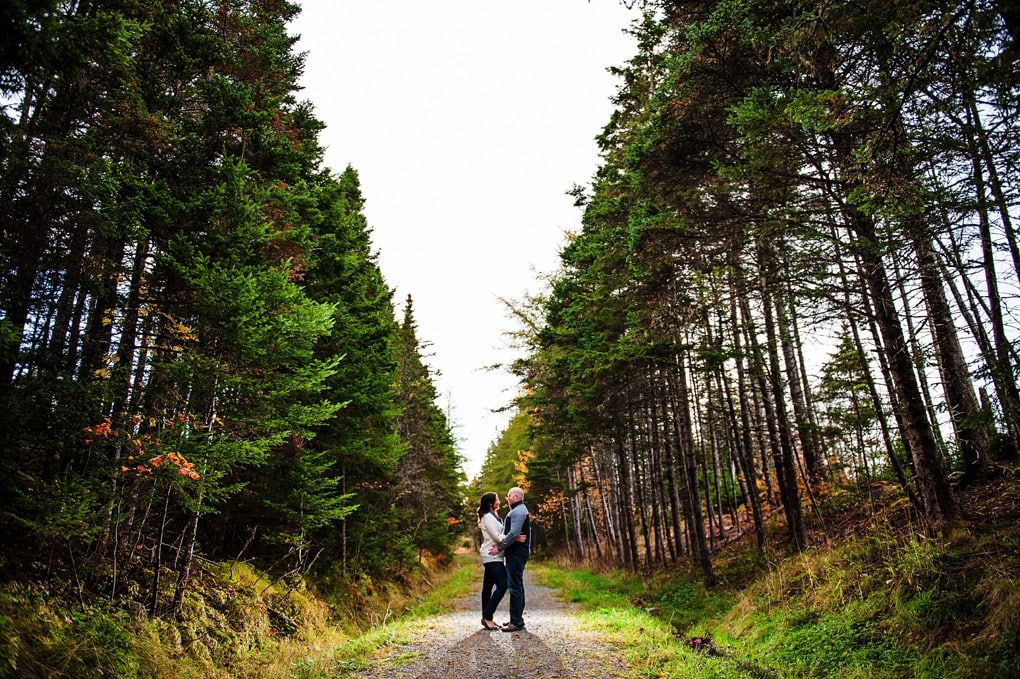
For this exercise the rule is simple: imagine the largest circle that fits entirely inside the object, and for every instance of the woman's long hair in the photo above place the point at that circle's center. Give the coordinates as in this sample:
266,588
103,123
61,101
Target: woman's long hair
485,505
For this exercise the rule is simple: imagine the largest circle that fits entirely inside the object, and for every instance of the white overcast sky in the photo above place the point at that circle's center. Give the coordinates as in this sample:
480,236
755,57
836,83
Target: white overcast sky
467,121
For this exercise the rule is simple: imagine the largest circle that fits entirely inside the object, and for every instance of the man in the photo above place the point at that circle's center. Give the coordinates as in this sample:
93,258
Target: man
517,522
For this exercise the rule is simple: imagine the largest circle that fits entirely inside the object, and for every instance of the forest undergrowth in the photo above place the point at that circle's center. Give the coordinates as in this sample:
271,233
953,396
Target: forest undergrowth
871,598
237,622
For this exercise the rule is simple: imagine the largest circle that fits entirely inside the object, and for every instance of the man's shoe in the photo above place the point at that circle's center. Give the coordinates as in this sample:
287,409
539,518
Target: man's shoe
510,627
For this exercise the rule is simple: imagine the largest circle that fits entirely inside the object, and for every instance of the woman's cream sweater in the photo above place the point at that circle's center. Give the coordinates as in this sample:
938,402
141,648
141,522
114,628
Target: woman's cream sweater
492,534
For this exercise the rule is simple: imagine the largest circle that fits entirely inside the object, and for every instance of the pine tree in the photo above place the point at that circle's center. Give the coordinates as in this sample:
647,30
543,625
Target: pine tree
428,475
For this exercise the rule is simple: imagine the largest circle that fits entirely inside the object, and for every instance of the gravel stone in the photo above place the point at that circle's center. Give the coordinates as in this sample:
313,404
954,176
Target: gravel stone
554,644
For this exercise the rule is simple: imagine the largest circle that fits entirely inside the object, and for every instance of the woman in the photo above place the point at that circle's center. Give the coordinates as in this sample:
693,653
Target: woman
494,580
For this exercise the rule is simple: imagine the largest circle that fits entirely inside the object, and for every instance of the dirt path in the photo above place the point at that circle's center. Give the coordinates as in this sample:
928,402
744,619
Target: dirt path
554,644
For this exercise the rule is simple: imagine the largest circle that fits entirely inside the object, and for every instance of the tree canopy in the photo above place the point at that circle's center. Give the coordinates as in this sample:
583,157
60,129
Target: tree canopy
795,274
199,355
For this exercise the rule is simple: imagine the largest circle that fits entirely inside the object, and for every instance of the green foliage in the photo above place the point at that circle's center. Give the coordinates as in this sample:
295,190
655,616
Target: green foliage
9,640
197,347
615,589
836,643
58,511
684,603
236,622
880,605
428,475
503,466
43,638
790,160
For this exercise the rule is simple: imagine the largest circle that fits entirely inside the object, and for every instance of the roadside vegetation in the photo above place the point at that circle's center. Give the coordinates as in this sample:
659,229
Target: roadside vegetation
771,390
235,624
870,602
874,602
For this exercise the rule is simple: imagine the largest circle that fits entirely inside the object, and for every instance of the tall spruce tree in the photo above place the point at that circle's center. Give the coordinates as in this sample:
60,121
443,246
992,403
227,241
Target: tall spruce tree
361,440
809,167
428,475
196,344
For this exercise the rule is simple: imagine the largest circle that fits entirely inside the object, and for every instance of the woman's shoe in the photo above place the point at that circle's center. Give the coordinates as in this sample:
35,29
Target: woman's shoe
489,625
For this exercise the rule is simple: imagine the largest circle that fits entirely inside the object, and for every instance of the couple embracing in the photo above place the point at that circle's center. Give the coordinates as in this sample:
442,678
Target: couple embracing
506,545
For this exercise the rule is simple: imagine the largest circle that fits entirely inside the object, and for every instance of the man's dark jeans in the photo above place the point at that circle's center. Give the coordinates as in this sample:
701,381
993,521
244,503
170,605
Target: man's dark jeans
515,563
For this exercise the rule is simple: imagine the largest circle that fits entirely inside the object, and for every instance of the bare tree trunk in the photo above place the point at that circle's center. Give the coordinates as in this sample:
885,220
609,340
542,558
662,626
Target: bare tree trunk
786,470
54,354
797,398
765,416
811,414
677,547
655,468
876,400
936,495
184,572
612,526
982,157
575,511
98,332
1000,361
698,456
625,505
664,466
743,450
918,352
691,497
596,538
742,454
130,328
638,476
157,565
969,421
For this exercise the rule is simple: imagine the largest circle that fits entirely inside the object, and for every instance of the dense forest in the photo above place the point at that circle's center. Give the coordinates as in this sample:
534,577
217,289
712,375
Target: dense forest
794,287
792,292
199,357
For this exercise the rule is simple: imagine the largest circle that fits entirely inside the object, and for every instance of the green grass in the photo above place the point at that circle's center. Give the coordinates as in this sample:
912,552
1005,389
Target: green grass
879,606
618,605
225,631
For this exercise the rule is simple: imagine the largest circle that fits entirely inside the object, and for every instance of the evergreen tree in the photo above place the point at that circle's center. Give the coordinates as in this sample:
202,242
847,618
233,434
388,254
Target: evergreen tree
505,463
196,344
775,172
428,475
361,440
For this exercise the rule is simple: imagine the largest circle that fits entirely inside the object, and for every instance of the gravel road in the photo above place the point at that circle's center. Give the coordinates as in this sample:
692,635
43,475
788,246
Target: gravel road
553,644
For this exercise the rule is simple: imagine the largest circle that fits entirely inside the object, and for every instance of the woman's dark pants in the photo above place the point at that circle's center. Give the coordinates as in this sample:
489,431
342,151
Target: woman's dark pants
493,587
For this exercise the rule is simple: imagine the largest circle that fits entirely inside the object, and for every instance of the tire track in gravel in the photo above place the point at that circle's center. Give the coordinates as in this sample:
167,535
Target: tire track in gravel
554,644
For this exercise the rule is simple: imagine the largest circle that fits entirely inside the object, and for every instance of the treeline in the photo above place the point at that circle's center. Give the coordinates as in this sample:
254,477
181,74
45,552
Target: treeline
794,278
199,357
